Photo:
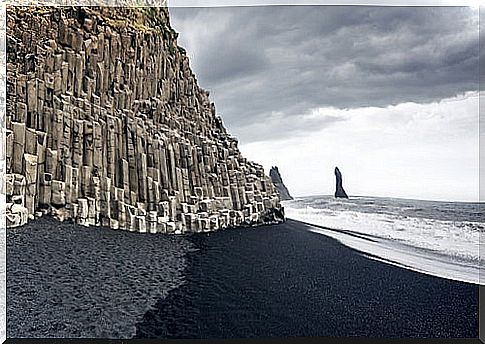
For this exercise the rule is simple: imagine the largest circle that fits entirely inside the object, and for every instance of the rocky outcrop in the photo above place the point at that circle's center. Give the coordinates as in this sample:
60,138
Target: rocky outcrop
106,125
275,175
339,190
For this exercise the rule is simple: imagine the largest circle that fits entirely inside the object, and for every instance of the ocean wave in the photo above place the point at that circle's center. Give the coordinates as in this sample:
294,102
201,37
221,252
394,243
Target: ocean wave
456,238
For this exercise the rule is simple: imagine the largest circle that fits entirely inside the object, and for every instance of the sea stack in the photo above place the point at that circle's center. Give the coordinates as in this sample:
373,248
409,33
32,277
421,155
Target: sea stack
107,126
275,175
339,190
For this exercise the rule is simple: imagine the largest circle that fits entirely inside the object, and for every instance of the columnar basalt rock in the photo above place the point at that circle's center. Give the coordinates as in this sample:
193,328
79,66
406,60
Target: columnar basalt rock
275,175
106,125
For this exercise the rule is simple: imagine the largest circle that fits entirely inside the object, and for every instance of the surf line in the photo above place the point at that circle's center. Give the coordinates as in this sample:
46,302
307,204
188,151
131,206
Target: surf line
425,262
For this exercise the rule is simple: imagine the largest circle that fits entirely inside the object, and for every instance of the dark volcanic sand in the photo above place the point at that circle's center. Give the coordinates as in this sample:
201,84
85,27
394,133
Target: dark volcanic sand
65,280
286,281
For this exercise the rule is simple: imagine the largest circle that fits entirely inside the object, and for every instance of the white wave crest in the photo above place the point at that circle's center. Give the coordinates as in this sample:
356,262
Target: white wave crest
447,249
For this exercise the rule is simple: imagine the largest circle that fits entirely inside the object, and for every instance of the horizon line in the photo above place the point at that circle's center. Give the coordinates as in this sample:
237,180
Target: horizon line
392,197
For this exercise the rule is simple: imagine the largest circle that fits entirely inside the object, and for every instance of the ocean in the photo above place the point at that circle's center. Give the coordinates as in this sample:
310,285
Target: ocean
437,238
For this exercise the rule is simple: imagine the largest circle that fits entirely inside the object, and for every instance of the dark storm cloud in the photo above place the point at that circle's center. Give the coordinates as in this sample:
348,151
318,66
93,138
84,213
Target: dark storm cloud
283,61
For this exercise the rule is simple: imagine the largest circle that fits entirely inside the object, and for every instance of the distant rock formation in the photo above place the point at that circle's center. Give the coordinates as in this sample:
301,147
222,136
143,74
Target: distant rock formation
278,183
339,190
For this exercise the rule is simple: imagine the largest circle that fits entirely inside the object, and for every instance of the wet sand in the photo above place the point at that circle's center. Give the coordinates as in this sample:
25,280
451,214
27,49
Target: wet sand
286,281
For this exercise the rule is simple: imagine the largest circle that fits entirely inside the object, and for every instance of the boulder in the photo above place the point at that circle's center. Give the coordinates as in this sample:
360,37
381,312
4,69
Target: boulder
16,215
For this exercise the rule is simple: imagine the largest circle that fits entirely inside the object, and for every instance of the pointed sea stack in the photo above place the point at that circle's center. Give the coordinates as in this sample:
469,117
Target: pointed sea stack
339,191
275,175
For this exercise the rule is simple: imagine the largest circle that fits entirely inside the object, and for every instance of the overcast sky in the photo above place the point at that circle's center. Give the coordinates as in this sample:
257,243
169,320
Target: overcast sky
388,94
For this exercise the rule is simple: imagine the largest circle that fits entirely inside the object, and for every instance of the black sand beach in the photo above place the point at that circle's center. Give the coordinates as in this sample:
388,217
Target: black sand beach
69,281
66,281
286,281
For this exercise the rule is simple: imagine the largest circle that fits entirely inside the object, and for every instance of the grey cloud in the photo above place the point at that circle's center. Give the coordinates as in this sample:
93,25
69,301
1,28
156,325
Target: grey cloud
298,125
286,60
232,61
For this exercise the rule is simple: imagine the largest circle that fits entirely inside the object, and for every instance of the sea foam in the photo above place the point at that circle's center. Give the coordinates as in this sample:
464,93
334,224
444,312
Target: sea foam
438,238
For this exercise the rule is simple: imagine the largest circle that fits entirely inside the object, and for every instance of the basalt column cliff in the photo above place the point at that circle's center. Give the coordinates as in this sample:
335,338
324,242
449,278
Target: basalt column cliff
106,125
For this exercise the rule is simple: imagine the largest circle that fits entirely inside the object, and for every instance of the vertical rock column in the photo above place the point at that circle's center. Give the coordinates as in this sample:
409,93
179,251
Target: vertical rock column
110,128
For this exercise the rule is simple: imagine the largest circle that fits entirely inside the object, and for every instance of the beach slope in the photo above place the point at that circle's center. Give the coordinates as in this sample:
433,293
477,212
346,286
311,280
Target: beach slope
284,280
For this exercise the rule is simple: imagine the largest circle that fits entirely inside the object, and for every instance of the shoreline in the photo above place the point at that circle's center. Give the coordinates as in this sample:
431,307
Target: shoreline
401,254
284,280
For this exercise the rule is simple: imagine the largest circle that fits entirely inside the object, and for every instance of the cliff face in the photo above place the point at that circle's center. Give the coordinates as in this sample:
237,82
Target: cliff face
275,175
106,125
